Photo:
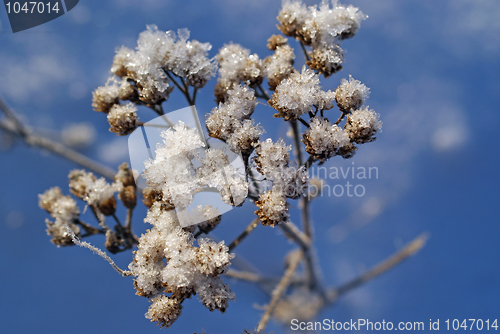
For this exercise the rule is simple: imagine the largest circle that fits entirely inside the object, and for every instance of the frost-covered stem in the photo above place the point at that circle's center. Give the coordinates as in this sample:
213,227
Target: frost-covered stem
59,149
280,289
97,251
89,228
21,128
410,249
305,51
293,231
186,90
244,234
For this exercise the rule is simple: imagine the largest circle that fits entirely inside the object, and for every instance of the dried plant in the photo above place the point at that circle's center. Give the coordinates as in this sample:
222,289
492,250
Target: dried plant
172,261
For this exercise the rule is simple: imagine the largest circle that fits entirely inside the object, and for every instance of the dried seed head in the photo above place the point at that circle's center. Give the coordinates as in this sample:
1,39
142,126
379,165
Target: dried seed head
107,206
123,119
362,125
273,208
164,310
104,97
347,151
60,236
79,181
276,40
351,94
327,60
112,243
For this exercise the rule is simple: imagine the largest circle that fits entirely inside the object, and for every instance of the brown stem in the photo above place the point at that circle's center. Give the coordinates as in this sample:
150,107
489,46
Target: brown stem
244,234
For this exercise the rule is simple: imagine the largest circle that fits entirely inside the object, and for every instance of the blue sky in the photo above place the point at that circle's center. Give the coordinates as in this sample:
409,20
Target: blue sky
432,67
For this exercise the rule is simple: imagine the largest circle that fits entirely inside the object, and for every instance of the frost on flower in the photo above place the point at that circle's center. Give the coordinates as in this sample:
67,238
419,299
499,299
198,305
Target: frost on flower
236,65
172,172
323,139
122,119
273,208
230,121
326,60
292,17
299,94
65,211
104,97
351,94
145,68
167,262
362,125
273,161
279,66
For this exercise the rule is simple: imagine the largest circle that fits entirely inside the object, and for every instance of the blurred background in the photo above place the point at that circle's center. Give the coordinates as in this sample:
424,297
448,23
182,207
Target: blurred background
433,70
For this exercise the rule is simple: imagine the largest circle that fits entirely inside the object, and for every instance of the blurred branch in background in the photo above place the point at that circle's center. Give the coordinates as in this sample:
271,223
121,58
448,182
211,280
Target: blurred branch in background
15,127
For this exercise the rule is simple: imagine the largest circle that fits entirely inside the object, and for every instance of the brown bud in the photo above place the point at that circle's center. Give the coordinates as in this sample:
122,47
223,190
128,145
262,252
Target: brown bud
108,206
128,197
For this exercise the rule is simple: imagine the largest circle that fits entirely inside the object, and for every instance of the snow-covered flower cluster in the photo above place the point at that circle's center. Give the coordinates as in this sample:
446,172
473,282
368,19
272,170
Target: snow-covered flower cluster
322,28
98,193
231,121
188,271
144,73
65,212
273,161
236,65
173,174
300,94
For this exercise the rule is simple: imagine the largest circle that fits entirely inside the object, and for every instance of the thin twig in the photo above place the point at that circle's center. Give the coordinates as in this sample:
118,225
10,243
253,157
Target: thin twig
280,289
264,93
97,251
410,249
293,231
296,141
306,54
61,150
244,234
340,118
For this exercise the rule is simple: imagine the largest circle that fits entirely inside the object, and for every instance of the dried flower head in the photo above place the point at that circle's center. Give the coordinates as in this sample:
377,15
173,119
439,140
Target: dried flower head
323,139
275,41
351,94
326,61
279,66
123,119
273,208
362,125
299,94
292,17
104,97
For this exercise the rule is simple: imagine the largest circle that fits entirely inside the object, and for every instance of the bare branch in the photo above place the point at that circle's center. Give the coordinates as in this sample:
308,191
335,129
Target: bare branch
280,289
410,249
